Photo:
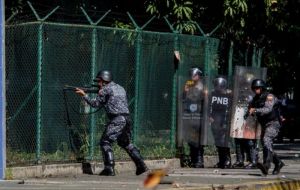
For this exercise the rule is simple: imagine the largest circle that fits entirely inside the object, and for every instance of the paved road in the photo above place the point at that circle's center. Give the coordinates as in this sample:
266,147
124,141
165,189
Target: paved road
181,178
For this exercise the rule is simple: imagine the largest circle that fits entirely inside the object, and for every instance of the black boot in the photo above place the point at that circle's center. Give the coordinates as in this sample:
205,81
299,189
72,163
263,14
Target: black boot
227,158
224,158
192,156
196,154
109,164
267,159
138,160
251,165
198,158
220,156
278,164
238,164
253,158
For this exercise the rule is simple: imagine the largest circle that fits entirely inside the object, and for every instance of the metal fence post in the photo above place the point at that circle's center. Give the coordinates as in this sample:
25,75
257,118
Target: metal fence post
206,65
2,94
137,73
93,73
137,77
174,96
174,88
39,78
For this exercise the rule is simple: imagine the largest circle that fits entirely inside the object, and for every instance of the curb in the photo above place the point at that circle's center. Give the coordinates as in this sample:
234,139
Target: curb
93,167
256,185
83,168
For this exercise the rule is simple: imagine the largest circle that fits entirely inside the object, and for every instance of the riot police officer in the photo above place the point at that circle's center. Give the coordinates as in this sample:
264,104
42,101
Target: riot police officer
265,106
220,103
193,99
113,98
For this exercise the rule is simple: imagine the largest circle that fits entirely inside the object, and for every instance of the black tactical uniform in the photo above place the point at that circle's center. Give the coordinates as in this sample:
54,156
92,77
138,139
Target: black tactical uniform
220,103
194,98
113,98
265,107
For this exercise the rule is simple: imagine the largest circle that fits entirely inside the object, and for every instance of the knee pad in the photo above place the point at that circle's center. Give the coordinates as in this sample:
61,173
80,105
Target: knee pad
129,147
105,146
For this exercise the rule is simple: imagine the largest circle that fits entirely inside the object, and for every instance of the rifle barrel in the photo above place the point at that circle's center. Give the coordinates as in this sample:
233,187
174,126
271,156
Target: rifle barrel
87,90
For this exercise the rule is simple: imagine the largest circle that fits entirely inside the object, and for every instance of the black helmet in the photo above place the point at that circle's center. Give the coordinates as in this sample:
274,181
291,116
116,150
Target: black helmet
258,83
104,75
220,83
195,71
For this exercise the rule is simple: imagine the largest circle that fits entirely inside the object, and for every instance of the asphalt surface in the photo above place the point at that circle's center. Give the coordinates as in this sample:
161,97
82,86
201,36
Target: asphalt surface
178,178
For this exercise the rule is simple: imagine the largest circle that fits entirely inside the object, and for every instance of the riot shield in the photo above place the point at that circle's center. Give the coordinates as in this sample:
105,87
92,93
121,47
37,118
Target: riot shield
191,101
243,126
219,109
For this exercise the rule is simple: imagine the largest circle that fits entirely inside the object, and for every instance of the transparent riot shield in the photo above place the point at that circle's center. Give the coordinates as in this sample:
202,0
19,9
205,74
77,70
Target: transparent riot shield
218,112
243,126
191,101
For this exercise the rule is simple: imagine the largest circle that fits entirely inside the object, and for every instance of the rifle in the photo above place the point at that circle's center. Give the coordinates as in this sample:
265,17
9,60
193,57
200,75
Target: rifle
91,89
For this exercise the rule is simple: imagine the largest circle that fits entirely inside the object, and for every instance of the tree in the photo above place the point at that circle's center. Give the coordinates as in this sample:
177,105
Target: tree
270,24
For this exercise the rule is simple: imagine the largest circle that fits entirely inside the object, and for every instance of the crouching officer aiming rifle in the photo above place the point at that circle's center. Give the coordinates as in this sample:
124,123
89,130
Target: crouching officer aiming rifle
113,98
265,106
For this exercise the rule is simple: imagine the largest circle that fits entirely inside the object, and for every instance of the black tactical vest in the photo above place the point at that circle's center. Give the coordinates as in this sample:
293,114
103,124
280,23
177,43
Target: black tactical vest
259,102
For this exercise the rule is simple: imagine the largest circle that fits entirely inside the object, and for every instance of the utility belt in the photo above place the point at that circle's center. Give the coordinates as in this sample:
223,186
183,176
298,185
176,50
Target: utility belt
274,122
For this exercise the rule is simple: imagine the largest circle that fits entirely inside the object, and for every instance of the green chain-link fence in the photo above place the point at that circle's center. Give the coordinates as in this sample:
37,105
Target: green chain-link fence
46,124
43,57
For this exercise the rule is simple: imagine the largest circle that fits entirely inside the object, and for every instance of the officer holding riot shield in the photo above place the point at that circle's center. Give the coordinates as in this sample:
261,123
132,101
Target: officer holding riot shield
266,108
192,116
245,130
220,103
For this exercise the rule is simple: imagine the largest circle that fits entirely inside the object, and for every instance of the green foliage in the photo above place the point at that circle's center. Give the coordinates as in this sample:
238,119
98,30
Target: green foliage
18,6
122,25
188,27
8,174
152,9
14,157
276,14
210,150
129,35
157,152
234,8
181,11
235,13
